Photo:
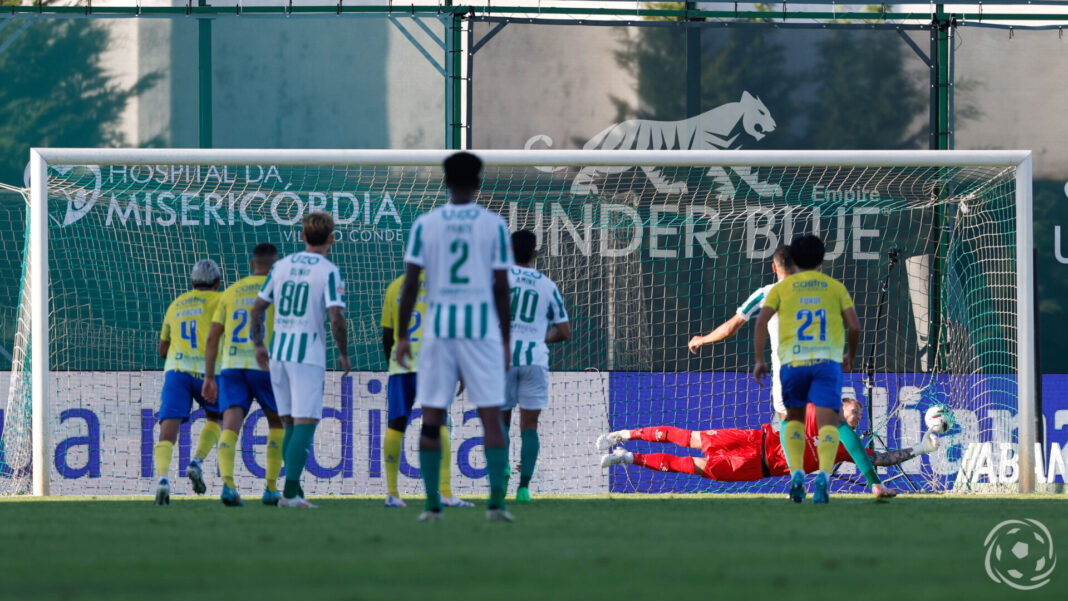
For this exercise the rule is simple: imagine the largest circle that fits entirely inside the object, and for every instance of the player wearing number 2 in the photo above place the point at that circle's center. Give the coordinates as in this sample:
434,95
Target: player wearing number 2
400,392
241,379
812,309
538,320
304,287
181,342
466,253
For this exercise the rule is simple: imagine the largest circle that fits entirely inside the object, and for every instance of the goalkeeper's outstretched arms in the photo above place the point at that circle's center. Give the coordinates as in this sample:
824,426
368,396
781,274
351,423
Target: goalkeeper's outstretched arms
928,444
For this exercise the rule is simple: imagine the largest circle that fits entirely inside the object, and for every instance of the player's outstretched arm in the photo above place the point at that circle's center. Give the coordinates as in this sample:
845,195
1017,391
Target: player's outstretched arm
340,329
760,338
210,390
722,332
928,444
409,294
852,339
258,319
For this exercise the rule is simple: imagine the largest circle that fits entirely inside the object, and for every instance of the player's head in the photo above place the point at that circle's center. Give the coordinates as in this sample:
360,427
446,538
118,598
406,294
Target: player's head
206,275
781,263
807,251
524,245
463,175
318,230
852,409
263,257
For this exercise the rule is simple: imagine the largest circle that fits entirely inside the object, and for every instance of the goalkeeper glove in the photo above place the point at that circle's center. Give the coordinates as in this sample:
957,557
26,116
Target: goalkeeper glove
928,444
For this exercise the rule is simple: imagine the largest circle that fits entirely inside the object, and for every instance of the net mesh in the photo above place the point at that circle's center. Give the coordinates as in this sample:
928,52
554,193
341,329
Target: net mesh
645,259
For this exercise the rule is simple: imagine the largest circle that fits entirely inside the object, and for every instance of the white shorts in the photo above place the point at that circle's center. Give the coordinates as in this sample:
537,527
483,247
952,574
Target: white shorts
776,393
442,362
298,388
526,386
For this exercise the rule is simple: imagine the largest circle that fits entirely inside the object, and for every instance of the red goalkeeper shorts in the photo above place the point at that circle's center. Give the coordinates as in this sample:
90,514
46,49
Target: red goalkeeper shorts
733,455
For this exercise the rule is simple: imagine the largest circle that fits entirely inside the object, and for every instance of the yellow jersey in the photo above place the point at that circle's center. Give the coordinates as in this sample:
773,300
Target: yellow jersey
234,312
186,325
391,319
810,305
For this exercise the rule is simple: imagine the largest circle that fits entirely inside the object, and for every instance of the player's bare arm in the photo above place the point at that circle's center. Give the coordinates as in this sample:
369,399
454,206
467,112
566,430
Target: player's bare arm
387,342
852,338
340,329
210,390
722,332
558,333
258,319
164,346
504,311
409,294
760,339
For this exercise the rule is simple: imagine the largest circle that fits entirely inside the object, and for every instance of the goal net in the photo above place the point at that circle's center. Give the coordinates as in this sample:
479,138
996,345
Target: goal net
648,249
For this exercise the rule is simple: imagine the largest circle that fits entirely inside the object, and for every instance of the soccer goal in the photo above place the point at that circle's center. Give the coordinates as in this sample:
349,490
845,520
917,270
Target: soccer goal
648,249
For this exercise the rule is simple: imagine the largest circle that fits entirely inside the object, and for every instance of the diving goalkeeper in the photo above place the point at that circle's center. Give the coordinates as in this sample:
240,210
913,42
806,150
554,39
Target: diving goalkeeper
732,455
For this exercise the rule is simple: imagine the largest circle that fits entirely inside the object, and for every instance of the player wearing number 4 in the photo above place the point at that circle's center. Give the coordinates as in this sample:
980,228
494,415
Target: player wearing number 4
812,309
783,266
400,392
241,379
181,342
538,320
304,287
466,253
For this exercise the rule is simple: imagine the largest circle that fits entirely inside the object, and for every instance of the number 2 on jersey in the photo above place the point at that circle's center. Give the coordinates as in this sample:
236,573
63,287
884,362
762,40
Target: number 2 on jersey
806,316
240,314
458,247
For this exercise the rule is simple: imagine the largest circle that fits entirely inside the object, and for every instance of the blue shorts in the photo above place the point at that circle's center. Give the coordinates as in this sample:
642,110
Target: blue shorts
179,391
818,383
238,387
400,390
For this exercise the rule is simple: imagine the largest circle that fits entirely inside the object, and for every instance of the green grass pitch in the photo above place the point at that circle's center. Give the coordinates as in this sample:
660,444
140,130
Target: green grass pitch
622,548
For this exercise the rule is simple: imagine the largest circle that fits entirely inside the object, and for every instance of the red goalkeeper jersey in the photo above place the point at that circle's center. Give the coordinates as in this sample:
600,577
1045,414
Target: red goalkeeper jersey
776,459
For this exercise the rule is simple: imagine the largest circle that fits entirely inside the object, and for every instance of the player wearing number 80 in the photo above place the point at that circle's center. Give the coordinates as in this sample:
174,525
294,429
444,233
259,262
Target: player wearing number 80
812,309
466,253
305,287
241,379
181,341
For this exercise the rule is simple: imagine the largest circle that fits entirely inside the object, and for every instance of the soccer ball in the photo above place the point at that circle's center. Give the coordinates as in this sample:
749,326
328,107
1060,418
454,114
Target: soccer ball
936,419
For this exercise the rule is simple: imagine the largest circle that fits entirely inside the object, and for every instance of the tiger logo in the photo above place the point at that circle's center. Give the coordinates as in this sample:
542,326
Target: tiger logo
721,128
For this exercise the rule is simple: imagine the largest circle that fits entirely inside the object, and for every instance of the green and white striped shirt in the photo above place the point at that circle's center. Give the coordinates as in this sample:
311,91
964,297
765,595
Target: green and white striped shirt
302,286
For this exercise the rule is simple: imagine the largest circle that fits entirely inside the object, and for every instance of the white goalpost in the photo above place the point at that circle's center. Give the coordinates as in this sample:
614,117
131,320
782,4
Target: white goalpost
648,248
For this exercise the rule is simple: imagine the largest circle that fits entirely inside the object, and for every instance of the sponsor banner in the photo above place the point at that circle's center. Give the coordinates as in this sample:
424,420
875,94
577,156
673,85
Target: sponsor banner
104,430
977,450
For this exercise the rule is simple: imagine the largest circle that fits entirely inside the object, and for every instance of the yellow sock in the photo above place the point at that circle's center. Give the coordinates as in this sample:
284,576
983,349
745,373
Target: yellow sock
274,457
162,455
208,437
445,485
827,447
392,448
227,449
794,442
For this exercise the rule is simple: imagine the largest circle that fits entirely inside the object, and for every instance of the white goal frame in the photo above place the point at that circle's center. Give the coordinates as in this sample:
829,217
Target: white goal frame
41,158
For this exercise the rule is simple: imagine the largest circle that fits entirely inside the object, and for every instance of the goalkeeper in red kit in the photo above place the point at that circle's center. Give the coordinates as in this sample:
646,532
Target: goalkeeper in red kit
732,455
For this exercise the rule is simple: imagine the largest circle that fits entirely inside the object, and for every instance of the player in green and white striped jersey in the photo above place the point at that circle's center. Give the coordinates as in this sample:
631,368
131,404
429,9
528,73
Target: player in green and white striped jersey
538,320
304,287
466,253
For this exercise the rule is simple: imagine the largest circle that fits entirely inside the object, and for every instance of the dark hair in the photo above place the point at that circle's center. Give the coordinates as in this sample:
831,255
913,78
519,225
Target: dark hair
264,254
463,170
782,257
807,251
318,227
523,244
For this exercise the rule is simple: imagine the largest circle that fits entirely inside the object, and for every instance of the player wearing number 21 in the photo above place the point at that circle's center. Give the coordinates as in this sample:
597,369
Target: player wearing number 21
812,309
241,379
304,287
181,341
466,252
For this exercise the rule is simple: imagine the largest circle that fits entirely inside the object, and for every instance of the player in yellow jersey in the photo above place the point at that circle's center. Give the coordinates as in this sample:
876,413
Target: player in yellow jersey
400,392
813,309
241,379
181,342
